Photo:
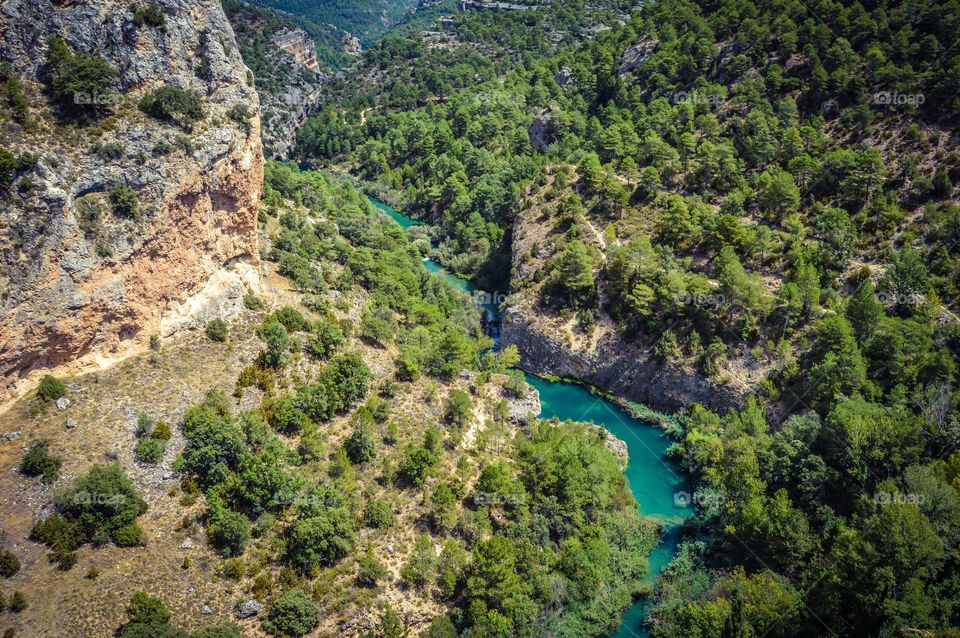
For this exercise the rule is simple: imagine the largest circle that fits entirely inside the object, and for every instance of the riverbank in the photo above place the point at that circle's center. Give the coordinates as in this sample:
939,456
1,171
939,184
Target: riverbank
656,483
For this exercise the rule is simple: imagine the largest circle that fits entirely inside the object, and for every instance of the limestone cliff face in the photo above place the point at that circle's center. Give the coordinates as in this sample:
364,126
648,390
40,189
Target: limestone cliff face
81,285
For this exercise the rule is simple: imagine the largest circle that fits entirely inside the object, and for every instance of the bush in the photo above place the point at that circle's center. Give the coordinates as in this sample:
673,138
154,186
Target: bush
252,301
18,602
359,445
78,82
370,571
285,416
240,114
170,103
291,319
50,389
124,201
161,431
378,515
228,630
322,539
328,338
128,536
39,462
149,450
9,563
293,615
150,15
100,504
228,531
217,330
417,465
277,340
459,407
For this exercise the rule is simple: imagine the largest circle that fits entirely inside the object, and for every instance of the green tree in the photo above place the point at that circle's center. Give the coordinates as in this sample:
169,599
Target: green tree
294,614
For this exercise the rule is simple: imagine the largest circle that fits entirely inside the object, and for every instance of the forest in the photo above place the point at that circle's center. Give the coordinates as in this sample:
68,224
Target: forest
773,182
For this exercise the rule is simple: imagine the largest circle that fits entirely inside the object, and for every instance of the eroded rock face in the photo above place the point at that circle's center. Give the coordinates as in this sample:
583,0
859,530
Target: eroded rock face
82,293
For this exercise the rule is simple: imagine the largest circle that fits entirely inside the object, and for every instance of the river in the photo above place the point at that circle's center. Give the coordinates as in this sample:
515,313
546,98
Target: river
654,479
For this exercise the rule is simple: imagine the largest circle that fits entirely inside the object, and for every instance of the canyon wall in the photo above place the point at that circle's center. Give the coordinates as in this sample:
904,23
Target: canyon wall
81,285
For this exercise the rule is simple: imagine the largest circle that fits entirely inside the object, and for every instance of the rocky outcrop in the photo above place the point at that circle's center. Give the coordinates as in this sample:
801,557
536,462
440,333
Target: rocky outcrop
83,286
351,44
299,45
636,55
612,365
540,131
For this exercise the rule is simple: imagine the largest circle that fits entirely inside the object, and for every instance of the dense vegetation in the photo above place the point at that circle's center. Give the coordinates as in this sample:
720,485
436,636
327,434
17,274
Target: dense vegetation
546,539
735,184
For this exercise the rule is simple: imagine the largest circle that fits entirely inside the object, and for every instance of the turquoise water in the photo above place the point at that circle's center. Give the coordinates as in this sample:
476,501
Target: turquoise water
653,479
400,218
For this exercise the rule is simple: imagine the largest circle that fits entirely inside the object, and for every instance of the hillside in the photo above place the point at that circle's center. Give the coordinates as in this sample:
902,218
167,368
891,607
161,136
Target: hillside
131,168
739,206
365,20
341,438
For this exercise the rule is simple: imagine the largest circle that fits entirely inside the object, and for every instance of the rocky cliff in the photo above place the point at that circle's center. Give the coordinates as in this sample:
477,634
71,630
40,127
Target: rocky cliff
81,285
552,343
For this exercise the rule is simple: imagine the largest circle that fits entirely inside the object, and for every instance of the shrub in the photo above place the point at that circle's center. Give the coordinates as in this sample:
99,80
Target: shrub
78,82
240,114
128,536
459,407
170,103
94,510
161,431
18,602
149,450
124,201
285,416
228,531
11,89
39,462
228,630
417,464
378,515
322,539
370,571
50,389
217,330
441,627
359,445
252,301
277,340
9,563
293,615
150,15
146,609
291,319
328,338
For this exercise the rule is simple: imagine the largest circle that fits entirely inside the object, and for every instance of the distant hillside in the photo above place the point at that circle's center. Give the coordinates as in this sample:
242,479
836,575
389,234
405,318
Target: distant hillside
364,19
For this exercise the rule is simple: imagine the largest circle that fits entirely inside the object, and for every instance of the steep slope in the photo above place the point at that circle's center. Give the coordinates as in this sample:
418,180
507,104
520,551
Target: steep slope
362,18
87,279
